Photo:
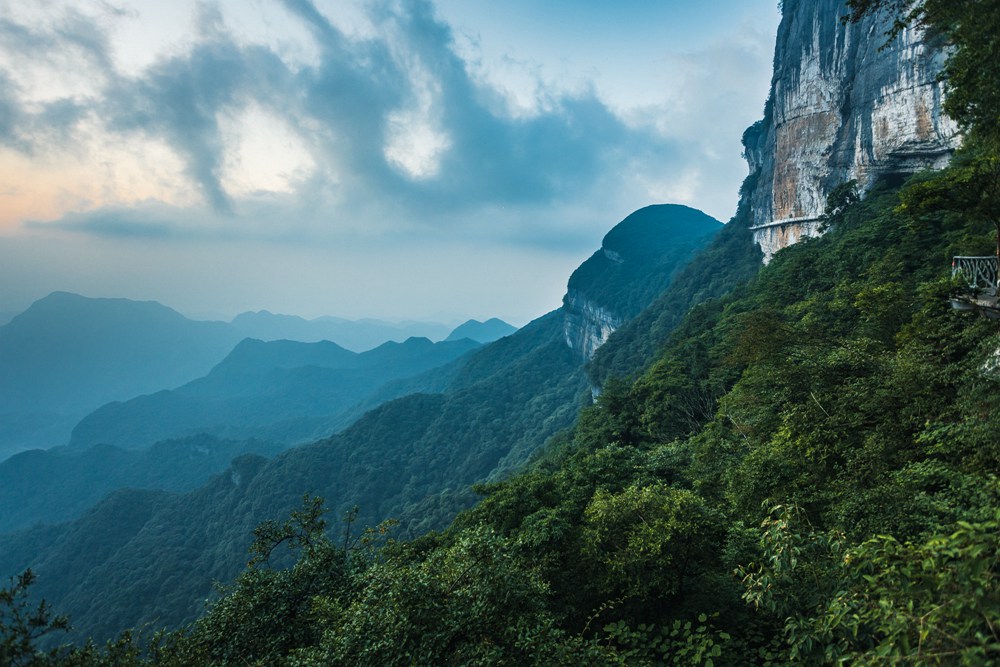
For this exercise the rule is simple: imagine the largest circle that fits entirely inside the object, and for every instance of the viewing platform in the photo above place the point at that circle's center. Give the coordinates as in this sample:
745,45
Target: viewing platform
982,277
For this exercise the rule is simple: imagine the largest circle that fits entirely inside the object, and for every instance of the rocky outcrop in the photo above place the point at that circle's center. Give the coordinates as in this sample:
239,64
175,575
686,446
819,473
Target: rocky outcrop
634,264
586,325
846,104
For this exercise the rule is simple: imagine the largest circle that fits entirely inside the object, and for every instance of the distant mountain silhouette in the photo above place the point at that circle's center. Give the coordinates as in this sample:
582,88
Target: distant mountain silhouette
283,391
482,332
68,354
355,335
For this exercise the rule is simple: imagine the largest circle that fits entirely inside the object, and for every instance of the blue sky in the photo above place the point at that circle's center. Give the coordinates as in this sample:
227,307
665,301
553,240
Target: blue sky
386,158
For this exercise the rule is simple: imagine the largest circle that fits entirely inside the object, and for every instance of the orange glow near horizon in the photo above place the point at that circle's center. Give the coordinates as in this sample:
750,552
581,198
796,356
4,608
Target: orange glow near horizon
104,175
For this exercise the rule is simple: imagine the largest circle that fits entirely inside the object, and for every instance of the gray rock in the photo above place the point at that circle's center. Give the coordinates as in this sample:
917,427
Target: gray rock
846,103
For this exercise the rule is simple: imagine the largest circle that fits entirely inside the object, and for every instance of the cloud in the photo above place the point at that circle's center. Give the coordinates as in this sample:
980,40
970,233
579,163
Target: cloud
149,221
49,73
11,115
402,138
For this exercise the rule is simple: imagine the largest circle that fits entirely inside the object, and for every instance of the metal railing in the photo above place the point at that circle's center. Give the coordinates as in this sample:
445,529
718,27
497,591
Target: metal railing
980,273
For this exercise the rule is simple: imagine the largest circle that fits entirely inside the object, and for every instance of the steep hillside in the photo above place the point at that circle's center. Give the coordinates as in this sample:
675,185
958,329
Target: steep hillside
806,471
847,105
730,259
414,458
55,485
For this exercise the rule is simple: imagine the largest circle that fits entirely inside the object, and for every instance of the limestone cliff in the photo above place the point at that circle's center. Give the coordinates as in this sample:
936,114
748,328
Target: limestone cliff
846,103
636,261
587,325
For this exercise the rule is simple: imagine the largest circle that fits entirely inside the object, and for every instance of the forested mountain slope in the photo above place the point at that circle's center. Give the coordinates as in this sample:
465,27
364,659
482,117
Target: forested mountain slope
807,471
55,485
283,391
413,459
637,260
729,260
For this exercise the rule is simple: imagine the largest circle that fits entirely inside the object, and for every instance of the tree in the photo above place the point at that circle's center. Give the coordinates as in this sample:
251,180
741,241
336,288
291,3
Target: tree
971,185
651,540
929,602
23,624
268,611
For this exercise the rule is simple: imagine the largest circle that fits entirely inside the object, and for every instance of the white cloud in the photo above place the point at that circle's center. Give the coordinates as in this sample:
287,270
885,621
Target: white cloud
262,153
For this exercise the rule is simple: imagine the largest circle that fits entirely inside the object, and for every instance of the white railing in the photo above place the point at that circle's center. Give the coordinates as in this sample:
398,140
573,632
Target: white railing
978,272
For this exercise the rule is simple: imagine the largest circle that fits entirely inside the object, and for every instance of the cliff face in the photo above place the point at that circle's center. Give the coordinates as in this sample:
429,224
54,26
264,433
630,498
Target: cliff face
636,261
844,105
586,325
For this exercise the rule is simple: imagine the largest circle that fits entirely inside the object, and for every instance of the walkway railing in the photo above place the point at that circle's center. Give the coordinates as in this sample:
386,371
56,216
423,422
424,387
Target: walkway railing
979,272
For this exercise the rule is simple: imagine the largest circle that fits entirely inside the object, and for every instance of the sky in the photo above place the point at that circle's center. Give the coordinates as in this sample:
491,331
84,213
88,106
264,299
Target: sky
400,159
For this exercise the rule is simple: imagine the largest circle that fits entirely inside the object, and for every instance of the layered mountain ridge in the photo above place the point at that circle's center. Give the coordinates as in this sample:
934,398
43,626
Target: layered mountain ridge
284,391
354,335
67,355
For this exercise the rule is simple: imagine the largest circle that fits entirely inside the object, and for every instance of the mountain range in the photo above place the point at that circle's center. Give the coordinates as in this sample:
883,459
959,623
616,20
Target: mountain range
482,332
354,335
479,418
67,355
778,448
282,391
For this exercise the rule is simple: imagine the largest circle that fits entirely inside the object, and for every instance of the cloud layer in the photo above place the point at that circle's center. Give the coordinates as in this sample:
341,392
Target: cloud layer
385,135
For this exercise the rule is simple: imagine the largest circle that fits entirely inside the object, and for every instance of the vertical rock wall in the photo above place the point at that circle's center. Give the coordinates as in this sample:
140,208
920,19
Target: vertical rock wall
586,325
844,105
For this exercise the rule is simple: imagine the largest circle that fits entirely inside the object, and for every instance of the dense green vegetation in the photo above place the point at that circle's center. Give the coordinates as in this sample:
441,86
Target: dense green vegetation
806,474
143,557
478,418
